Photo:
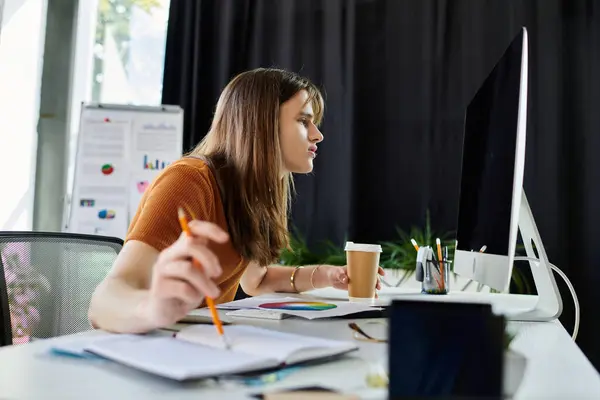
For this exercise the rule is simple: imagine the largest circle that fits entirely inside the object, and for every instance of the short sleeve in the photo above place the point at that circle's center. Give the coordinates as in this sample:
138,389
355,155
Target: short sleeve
180,185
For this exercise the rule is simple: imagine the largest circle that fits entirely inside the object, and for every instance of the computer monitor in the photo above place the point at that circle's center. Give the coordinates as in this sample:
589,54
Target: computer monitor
493,161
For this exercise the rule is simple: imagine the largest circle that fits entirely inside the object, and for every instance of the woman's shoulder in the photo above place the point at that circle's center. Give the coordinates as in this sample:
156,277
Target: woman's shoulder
185,180
189,165
186,183
189,171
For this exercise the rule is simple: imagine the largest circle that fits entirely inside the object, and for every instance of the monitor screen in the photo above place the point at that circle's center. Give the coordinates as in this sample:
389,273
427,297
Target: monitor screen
488,159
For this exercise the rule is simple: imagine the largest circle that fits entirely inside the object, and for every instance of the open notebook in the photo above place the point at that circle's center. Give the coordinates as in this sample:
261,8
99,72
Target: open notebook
198,352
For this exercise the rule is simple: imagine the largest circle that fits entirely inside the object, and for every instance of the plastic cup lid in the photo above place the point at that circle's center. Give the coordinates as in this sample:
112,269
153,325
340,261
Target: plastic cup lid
371,248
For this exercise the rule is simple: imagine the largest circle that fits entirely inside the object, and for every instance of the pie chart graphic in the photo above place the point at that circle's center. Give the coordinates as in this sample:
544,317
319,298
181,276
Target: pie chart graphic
299,306
107,169
106,214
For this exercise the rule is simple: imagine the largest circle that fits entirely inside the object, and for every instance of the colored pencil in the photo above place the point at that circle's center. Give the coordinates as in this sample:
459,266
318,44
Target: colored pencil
439,251
414,243
209,301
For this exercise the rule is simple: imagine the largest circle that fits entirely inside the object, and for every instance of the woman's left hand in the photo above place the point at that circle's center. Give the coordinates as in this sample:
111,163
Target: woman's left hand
338,277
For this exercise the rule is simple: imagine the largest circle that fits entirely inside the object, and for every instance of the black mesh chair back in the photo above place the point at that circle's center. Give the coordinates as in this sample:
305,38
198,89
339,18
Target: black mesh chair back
47,282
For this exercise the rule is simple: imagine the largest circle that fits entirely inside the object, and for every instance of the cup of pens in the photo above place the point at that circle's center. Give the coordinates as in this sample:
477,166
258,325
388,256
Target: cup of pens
432,272
436,277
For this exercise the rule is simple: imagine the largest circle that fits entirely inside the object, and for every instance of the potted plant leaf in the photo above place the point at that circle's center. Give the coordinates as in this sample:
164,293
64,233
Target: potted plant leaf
400,255
299,253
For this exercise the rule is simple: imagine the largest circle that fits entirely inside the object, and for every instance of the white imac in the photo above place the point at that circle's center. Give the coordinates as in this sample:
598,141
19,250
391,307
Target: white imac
492,204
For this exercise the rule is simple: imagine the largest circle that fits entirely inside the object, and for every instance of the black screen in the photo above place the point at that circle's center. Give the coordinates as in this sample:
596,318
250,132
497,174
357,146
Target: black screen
445,350
488,157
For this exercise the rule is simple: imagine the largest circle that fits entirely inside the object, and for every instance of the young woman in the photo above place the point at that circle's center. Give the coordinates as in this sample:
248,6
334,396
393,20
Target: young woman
235,185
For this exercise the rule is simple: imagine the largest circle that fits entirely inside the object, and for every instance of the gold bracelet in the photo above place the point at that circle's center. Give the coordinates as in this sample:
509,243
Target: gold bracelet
293,279
312,275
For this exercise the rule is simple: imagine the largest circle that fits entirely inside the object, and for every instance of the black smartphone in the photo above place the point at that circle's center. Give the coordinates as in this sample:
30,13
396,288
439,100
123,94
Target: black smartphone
445,350
298,389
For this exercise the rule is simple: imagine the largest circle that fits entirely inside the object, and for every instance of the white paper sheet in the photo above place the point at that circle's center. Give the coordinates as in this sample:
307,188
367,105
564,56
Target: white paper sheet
175,359
157,134
106,221
156,144
75,346
300,307
264,342
100,198
105,138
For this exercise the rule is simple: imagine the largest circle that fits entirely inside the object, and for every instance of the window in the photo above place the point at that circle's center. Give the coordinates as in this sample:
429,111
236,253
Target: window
21,49
129,51
119,57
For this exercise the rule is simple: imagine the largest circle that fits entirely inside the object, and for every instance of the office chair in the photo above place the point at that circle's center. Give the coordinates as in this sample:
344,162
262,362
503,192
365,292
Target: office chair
47,281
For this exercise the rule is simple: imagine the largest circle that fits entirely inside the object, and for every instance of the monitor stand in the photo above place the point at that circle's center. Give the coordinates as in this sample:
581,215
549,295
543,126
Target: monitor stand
549,304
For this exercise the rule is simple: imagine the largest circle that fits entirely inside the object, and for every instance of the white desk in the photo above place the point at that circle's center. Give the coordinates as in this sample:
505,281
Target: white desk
30,372
557,369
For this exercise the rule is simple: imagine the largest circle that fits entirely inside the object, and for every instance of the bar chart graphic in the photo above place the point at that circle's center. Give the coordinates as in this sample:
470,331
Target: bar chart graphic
154,164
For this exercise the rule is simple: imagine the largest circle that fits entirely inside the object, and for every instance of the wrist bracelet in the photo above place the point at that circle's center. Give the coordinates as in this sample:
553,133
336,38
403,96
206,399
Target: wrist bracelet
293,279
312,275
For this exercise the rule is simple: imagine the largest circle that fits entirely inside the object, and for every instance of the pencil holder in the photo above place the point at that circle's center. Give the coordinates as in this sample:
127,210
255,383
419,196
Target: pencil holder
436,277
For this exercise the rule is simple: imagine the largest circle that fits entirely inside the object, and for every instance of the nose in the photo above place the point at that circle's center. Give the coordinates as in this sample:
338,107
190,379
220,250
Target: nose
315,135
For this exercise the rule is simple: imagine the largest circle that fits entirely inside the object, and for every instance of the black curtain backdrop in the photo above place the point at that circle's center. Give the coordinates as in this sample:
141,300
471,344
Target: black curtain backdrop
398,75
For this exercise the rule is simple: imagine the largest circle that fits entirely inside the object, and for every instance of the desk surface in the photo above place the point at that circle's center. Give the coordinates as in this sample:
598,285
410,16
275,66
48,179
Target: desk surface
557,369
30,372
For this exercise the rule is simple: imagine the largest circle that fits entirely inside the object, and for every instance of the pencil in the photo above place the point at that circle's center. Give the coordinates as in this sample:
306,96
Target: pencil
440,260
414,243
209,301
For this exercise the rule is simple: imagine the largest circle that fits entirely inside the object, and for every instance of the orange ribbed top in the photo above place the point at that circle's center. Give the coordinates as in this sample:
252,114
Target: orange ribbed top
187,183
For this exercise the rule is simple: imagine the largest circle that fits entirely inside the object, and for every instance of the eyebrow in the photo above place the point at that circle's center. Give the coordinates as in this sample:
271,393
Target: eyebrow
306,115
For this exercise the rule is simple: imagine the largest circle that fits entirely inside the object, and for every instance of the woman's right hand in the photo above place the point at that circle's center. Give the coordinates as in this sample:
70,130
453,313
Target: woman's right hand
178,284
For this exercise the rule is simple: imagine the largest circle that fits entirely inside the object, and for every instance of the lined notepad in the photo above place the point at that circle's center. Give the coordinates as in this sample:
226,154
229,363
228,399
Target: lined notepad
197,351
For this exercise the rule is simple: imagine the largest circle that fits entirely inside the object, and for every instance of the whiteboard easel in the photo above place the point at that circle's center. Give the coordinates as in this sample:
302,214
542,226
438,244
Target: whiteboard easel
120,150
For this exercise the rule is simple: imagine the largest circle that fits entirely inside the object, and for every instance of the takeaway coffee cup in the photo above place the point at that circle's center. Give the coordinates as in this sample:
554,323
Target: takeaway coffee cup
363,263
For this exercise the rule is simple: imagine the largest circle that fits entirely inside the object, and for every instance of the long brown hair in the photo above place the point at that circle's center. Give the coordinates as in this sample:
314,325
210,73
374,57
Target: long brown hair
244,149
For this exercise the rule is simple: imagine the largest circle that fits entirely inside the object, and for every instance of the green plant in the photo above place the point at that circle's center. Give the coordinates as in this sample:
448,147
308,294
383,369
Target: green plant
299,253
398,253
519,279
508,338
401,254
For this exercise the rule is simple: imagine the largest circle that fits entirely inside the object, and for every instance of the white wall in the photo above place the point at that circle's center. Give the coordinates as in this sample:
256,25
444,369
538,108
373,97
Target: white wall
21,50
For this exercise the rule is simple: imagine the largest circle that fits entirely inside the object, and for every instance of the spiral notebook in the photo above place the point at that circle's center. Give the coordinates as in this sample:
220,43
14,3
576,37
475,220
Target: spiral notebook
198,352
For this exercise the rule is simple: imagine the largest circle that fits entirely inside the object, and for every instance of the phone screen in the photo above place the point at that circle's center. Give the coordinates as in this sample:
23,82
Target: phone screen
446,350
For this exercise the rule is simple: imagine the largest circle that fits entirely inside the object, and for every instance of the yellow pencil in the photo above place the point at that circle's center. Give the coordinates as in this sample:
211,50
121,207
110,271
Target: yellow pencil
414,243
209,301
439,251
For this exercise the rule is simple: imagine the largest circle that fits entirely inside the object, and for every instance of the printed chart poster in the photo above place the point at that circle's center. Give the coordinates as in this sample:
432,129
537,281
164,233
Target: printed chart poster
103,220
157,143
101,176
